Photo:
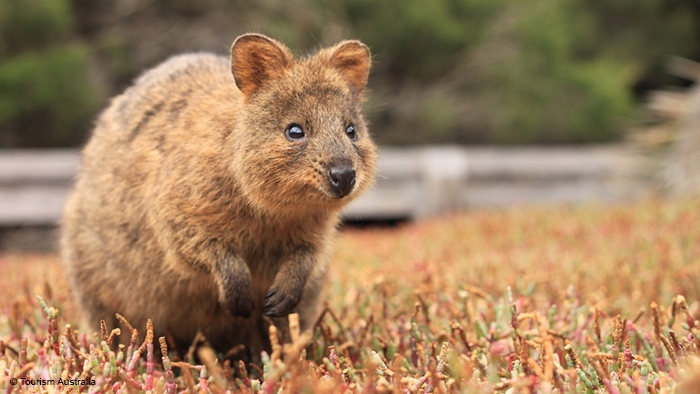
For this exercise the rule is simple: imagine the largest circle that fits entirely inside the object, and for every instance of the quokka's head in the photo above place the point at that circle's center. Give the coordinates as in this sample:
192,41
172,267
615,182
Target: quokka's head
305,143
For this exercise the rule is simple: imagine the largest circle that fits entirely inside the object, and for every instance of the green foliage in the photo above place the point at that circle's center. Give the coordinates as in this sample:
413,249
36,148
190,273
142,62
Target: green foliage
460,71
550,71
44,97
645,30
415,39
555,86
46,94
437,116
32,23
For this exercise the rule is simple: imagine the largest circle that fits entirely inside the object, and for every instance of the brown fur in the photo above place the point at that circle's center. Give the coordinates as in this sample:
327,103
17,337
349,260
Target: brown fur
193,209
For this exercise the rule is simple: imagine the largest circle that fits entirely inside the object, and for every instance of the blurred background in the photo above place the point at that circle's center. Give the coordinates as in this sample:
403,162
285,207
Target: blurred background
572,75
445,71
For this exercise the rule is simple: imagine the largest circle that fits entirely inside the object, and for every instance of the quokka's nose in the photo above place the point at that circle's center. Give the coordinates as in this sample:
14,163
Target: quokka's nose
342,179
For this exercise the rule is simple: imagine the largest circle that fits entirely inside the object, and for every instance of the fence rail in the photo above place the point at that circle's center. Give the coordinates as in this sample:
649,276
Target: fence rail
411,183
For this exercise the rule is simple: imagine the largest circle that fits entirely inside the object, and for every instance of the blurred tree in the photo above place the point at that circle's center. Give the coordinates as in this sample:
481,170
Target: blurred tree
46,93
557,84
646,32
532,71
445,71
417,40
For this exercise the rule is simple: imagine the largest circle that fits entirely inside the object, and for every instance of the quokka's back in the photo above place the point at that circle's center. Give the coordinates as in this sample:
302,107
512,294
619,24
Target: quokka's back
206,200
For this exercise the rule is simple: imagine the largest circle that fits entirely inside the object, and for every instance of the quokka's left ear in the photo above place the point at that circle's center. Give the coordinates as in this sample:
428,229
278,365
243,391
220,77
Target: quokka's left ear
353,59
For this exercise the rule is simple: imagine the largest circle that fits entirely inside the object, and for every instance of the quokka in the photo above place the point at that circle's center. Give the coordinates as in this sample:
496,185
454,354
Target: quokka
210,191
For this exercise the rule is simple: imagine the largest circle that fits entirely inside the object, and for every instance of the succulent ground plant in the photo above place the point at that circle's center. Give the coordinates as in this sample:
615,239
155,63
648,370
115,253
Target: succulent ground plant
592,299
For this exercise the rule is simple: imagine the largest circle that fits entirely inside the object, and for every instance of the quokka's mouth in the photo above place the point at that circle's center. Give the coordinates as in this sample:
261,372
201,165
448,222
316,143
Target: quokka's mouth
330,195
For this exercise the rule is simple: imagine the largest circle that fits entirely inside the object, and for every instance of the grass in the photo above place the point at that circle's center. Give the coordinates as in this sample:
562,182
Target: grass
592,299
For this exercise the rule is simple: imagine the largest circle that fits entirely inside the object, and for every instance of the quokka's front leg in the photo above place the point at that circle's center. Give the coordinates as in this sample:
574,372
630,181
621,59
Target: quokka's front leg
288,287
235,285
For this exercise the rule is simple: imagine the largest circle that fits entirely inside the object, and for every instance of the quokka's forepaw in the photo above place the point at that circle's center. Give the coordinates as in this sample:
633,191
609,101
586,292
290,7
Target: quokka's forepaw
278,304
242,306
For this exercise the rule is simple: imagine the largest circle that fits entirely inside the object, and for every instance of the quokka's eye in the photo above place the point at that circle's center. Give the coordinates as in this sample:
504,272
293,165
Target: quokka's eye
350,131
294,132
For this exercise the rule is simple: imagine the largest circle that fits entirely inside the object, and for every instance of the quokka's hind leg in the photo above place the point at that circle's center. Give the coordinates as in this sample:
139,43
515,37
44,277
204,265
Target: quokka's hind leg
309,307
93,312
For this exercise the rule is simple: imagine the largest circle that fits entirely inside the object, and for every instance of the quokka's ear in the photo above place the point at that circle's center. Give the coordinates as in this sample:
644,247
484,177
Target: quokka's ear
353,59
257,59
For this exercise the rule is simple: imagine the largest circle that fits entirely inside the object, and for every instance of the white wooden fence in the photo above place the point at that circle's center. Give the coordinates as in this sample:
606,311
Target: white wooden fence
411,183
428,181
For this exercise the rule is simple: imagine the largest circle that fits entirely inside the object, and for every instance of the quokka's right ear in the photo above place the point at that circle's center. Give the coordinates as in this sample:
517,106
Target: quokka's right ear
257,59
